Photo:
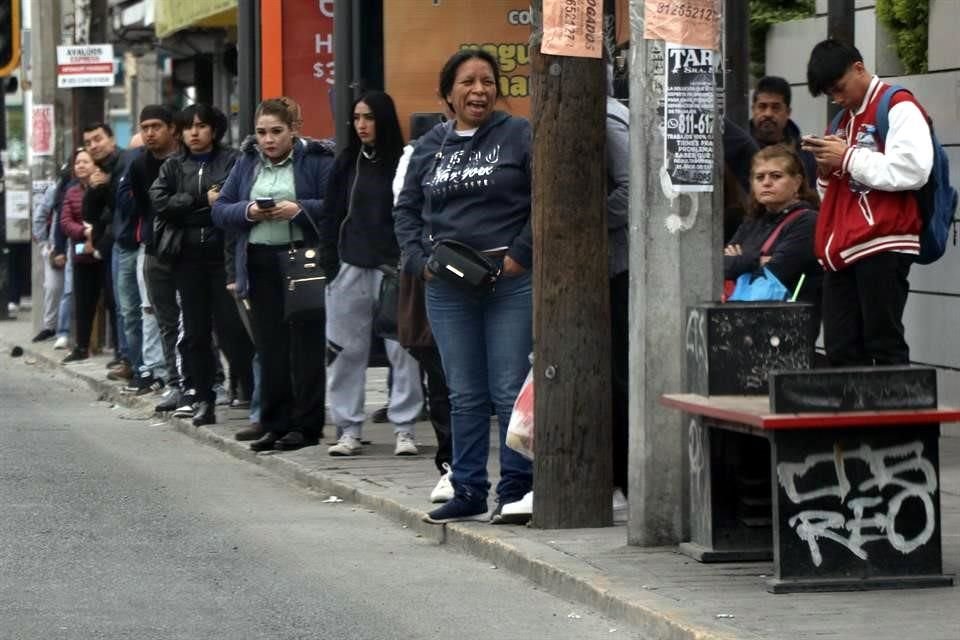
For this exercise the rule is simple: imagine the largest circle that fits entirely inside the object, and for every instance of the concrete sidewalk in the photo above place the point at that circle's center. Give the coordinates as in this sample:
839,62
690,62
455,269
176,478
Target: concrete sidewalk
665,594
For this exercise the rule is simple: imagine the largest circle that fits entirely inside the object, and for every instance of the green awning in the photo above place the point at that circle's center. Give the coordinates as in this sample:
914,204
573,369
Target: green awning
174,15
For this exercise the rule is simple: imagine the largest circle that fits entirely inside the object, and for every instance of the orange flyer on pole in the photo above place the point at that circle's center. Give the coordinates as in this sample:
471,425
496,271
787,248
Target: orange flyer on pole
693,23
573,28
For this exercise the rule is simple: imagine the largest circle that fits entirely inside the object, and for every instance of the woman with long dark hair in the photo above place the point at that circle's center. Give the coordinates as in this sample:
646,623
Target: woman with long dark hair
279,165
359,203
182,196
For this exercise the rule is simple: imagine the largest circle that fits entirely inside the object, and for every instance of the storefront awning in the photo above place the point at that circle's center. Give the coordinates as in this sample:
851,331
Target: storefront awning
175,15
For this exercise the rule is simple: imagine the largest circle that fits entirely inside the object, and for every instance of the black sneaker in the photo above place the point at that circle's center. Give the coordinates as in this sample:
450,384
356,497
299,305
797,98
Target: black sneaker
155,385
46,334
76,355
143,384
461,509
168,401
187,405
380,416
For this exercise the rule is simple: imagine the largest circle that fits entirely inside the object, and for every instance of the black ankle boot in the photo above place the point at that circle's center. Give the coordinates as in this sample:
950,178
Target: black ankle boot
205,414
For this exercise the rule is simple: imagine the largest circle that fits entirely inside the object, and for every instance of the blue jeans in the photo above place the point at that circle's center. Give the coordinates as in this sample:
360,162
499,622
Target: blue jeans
485,345
255,393
123,349
65,315
129,304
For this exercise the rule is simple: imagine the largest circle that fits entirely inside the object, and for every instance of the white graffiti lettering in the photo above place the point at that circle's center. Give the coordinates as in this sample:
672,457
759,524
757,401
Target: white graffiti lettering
887,468
696,336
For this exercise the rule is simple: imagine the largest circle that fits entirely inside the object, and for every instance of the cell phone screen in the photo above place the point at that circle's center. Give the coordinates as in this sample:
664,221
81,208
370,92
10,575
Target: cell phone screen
265,203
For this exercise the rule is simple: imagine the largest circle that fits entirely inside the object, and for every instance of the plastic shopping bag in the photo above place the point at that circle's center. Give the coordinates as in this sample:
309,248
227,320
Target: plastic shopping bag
520,430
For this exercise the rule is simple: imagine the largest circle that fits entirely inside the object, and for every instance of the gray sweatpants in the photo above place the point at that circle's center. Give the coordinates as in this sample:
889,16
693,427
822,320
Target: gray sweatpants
351,301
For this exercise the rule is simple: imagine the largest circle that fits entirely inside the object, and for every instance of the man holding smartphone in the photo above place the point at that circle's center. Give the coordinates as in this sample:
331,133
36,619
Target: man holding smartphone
869,223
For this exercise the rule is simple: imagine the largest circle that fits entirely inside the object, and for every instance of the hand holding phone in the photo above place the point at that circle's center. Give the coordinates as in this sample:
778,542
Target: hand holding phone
266,203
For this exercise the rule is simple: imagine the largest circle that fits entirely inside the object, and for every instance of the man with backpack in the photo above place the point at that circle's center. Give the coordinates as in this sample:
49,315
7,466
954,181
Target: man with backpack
870,222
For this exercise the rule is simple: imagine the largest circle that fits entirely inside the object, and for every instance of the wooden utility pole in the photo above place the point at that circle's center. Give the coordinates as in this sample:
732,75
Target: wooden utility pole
572,468
676,253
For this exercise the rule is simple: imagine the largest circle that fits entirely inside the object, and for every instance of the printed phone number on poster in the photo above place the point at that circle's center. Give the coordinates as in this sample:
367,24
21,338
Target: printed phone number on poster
591,28
686,11
691,123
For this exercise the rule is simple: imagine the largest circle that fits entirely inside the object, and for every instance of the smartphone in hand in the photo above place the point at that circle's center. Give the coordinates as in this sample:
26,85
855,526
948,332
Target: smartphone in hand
266,203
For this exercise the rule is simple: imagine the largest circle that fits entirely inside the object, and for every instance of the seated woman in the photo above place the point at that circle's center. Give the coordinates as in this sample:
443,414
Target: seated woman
779,195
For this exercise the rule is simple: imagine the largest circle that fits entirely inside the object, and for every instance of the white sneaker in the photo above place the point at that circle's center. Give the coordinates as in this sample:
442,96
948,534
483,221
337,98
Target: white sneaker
406,446
347,445
62,342
443,492
13,308
620,505
518,512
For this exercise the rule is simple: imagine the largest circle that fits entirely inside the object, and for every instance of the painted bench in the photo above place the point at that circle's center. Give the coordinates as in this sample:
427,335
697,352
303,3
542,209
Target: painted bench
833,474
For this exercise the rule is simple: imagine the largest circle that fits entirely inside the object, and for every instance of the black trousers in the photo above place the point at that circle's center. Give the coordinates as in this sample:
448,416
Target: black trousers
863,311
619,381
162,291
292,354
438,396
207,305
88,284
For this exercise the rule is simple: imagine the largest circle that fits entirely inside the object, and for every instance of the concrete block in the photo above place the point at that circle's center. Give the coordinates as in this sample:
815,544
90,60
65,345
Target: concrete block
732,347
942,36
853,389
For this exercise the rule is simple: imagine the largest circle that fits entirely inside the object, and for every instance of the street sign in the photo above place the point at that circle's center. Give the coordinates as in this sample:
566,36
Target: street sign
85,65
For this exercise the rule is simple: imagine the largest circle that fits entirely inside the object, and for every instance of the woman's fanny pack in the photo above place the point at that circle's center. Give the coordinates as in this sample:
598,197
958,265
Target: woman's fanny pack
463,266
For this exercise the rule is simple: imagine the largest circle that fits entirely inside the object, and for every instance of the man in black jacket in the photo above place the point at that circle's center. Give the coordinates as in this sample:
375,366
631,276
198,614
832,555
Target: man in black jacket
770,121
99,202
161,140
134,230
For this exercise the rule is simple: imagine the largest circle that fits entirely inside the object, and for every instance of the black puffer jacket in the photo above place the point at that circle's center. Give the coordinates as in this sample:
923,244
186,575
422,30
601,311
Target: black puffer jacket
179,195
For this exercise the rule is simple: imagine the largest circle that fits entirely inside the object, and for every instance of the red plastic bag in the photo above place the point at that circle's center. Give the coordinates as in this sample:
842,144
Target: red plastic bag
520,429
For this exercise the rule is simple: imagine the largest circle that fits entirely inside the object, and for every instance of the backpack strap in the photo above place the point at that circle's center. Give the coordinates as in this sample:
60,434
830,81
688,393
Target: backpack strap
768,244
835,123
883,110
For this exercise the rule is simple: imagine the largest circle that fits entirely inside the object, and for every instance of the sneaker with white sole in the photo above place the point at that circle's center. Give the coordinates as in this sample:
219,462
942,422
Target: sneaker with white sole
62,342
347,445
517,512
460,508
443,492
620,506
406,445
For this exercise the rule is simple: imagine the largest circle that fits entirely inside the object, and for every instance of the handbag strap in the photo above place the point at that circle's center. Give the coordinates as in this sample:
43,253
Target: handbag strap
772,238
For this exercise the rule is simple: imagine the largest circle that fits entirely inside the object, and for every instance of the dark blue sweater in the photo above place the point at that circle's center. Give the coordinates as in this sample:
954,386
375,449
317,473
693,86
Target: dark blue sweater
475,190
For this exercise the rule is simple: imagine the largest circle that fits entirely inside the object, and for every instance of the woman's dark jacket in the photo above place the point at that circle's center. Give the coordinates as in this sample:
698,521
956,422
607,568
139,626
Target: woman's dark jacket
312,162
359,205
179,194
790,256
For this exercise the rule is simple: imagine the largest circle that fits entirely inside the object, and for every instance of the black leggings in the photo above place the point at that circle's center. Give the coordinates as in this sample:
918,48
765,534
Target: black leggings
88,283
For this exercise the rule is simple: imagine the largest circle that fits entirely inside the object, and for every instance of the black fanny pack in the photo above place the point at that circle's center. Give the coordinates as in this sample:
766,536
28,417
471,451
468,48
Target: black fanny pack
462,266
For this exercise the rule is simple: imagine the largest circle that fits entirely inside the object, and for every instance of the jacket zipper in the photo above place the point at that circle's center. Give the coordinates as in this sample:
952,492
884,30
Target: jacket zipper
200,194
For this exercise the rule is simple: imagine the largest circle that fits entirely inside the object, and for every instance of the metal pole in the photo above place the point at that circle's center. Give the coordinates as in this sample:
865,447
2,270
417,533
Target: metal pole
841,25
248,64
343,79
737,82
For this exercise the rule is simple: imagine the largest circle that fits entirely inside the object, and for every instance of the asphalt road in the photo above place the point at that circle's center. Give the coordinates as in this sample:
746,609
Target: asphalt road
115,526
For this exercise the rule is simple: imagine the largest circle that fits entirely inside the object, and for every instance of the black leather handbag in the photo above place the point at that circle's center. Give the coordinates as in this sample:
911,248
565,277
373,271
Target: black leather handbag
305,280
463,266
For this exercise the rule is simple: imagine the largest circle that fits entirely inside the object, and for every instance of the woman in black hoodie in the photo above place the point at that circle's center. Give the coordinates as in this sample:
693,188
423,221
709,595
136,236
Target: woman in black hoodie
360,203
182,196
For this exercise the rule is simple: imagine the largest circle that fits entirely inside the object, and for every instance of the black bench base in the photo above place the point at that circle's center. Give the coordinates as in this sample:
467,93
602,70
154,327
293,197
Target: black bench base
862,584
